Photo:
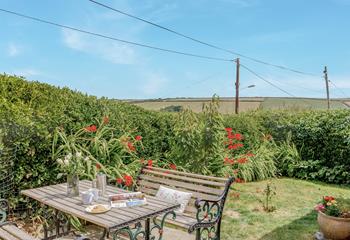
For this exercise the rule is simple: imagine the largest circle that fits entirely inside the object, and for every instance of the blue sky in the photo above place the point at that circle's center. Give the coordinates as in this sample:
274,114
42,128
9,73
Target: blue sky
305,35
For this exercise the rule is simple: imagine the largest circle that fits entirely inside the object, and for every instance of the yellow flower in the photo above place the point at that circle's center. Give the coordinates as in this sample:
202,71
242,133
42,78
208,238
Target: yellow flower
333,201
329,203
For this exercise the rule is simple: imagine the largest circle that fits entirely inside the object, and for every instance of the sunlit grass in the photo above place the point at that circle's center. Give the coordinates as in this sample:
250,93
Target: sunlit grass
294,217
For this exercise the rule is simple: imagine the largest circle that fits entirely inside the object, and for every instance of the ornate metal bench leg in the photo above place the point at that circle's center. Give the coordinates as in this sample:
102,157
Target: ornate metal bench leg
208,233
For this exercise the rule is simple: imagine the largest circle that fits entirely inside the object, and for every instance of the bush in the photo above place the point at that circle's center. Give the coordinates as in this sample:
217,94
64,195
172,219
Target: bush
318,146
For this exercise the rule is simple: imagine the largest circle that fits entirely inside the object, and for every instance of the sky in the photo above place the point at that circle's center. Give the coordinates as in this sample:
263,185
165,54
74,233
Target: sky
303,35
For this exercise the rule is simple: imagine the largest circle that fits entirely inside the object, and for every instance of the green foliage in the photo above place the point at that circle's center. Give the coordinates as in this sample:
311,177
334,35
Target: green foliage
322,139
305,144
197,141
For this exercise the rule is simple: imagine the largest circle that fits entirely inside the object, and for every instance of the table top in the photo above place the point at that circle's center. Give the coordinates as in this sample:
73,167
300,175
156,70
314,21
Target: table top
55,196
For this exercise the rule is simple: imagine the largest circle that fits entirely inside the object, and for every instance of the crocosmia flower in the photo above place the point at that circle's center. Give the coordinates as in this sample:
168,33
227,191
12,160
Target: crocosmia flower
173,166
128,180
138,138
91,128
119,181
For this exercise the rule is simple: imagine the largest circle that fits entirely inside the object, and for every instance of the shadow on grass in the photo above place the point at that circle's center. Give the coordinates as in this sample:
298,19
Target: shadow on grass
302,228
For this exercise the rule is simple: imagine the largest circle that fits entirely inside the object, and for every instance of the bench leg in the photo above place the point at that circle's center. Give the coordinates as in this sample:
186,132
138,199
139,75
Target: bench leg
209,233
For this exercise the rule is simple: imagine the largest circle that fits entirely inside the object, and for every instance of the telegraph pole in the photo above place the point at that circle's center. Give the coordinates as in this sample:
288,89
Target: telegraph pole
237,87
327,85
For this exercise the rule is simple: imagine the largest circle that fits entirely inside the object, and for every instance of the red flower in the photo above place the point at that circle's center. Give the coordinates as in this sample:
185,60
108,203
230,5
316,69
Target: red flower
131,146
230,135
228,130
328,198
128,180
229,161
238,136
250,154
235,146
173,166
242,160
91,128
105,119
98,166
119,181
138,138
150,163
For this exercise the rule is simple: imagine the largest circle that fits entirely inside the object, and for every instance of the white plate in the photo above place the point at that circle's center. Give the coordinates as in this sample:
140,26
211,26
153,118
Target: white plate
90,209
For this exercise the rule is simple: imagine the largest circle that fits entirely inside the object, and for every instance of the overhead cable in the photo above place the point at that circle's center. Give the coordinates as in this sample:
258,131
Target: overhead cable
200,41
113,38
265,80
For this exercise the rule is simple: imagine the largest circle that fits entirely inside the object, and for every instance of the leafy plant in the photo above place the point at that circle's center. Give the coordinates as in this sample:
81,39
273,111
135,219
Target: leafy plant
268,193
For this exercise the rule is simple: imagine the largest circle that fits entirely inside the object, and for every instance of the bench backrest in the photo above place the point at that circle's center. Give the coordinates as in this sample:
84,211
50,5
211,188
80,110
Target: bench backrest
201,186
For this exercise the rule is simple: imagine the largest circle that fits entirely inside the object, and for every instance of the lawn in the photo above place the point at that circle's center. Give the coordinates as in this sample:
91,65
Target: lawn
294,217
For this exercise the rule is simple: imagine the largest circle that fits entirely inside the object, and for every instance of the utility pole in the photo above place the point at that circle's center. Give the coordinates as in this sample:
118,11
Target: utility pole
327,85
237,87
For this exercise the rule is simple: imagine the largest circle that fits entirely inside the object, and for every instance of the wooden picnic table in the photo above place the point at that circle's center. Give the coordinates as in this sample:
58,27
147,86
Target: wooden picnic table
55,197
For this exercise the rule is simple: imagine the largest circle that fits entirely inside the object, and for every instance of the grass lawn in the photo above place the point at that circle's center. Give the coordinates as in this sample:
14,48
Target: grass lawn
294,217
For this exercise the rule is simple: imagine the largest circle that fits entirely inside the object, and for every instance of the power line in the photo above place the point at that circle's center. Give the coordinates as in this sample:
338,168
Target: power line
113,38
202,42
265,80
339,89
196,82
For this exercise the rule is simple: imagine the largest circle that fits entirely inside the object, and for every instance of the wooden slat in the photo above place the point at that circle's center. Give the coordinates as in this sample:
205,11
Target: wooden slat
18,232
212,178
190,207
185,179
55,197
178,184
4,235
182,221
132,211
194,194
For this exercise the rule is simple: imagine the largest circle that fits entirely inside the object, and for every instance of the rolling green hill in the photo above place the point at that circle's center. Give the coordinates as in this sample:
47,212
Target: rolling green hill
227,105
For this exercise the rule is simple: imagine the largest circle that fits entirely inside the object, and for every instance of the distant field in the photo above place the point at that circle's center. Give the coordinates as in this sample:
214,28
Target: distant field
227,105
280,103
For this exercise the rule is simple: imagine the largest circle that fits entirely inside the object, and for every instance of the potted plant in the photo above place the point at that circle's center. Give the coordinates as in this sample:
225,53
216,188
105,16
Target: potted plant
334,217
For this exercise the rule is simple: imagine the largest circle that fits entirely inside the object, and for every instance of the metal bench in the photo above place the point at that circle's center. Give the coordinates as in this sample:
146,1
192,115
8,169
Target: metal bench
9,230
204,212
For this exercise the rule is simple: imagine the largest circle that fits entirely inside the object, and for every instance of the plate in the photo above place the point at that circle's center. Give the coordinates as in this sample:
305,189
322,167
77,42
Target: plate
98,208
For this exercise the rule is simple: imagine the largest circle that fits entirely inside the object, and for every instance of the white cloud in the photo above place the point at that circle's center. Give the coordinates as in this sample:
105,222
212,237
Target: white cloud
13,50
155,82
114,52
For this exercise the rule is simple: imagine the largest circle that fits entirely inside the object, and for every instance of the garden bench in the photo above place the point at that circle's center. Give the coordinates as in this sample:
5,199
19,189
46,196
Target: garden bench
204,211
9,230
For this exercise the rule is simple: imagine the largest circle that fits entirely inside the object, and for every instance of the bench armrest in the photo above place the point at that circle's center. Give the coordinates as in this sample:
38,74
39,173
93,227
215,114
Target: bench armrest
209,212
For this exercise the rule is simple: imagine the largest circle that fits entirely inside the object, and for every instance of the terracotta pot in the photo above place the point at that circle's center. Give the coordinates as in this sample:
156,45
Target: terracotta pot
334,228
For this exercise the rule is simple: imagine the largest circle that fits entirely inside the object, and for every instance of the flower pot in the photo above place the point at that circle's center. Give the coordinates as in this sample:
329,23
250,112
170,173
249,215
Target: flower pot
334,228
72,185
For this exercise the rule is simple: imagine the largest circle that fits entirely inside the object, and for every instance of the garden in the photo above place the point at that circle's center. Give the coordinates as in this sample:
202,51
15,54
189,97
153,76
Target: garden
284,162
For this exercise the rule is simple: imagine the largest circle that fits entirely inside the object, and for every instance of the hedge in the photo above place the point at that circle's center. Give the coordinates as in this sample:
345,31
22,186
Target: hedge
31,111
